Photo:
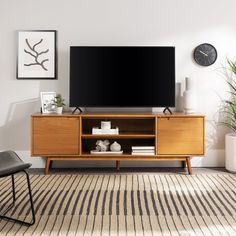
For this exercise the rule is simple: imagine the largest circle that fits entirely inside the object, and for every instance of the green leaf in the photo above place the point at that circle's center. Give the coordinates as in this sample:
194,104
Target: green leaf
232,66
229,110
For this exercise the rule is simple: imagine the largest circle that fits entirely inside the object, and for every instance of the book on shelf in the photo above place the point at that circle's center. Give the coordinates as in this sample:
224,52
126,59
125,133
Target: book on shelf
143,153
143,147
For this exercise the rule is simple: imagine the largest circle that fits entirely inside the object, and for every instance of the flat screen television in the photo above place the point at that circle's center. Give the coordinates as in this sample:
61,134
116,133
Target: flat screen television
122,76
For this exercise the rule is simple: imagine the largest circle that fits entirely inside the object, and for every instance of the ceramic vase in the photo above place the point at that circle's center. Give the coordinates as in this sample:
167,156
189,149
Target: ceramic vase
189,97
115,147
230,152
59,110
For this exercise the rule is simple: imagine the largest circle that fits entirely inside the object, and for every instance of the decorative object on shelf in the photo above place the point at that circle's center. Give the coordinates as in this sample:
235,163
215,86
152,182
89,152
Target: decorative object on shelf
229,110
96,130
59,103
47,102
102,146
37,56
189,97
205,54
115,147
105,124
105,129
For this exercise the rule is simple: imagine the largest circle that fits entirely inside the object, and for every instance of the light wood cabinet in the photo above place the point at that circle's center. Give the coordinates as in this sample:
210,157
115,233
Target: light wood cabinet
69,137
55,136
180,136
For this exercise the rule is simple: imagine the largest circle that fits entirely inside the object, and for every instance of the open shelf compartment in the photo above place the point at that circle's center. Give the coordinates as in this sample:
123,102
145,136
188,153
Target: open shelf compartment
128,127
126,145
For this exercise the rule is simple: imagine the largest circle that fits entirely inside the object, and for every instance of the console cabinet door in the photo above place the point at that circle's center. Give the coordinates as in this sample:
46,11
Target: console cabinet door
180,135
55,135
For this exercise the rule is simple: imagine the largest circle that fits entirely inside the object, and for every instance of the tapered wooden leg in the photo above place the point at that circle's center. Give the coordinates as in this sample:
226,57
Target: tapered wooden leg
183,164
47,165
50,165
117,165
189,165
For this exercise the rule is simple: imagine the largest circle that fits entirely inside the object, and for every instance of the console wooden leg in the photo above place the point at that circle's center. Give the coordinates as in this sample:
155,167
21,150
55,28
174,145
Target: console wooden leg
47,165
183,164
50,165
189,165
117,165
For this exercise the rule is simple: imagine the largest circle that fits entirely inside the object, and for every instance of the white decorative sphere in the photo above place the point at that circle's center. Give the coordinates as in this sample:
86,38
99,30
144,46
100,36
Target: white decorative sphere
115,147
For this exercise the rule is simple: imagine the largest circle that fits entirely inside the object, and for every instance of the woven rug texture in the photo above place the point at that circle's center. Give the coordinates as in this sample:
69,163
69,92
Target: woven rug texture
119,204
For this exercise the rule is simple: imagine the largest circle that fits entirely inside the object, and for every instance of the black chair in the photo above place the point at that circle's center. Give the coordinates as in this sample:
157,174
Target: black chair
10,164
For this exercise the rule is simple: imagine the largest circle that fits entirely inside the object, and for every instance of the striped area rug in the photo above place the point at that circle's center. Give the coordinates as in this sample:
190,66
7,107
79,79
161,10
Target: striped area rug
149,204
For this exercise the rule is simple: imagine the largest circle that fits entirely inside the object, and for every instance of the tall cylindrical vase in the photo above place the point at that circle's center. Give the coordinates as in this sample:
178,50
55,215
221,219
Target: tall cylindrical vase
230,152
189,97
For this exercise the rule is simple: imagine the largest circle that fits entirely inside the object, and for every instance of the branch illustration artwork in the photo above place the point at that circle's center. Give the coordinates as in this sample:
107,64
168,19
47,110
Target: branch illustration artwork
35,54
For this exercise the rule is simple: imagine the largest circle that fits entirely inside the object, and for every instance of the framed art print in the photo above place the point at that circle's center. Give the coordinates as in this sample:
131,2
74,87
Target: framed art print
37,55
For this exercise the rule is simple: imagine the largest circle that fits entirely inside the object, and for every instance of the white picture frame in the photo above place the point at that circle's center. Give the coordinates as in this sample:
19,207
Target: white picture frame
37,54
47,104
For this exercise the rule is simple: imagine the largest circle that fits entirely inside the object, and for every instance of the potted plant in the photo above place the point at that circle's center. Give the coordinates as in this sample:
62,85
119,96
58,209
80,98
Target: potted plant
230,118
59,103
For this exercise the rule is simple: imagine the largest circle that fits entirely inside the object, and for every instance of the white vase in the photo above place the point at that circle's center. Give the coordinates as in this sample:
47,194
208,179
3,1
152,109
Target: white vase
189,97
115,147
230,152
59,110
178,98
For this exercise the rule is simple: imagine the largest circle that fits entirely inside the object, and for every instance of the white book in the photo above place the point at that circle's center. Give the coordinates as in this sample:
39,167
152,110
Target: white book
143,147
143,154
144,151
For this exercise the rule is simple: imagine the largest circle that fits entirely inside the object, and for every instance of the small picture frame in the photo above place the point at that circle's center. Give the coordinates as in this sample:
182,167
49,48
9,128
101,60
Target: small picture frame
47,102
37,54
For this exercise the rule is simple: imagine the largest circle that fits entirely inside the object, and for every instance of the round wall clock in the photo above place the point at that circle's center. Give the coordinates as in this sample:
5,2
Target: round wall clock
205,54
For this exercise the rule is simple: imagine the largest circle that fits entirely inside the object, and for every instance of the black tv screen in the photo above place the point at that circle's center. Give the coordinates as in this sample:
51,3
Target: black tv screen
117,76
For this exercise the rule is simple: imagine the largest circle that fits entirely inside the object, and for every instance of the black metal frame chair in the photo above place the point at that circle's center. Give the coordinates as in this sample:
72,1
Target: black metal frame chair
11,164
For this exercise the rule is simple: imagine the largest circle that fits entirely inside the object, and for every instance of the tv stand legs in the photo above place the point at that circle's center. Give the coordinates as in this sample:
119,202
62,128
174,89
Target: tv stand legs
47,165
77,108
189,165
185,163
117,165
167,109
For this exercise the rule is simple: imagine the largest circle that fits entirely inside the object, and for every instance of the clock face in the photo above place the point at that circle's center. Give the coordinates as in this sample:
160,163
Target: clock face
205,54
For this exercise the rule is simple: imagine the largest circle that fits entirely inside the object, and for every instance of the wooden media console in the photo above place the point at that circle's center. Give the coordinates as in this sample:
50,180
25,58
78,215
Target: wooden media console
69,137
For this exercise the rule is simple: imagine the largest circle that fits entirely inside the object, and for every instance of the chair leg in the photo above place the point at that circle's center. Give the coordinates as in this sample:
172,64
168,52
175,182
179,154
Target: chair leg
13,196
13,189
31,204
31,199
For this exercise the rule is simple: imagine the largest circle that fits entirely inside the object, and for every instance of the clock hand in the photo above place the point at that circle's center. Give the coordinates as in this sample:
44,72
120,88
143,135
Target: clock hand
203,53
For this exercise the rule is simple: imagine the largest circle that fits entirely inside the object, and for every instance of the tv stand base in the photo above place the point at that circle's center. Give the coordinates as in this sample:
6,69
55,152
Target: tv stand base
50,159
77,108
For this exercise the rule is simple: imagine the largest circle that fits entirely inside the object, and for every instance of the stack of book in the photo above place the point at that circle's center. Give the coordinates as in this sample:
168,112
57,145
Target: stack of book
143,150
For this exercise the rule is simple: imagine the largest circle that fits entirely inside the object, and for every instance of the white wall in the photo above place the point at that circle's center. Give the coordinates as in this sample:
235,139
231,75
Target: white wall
183,23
